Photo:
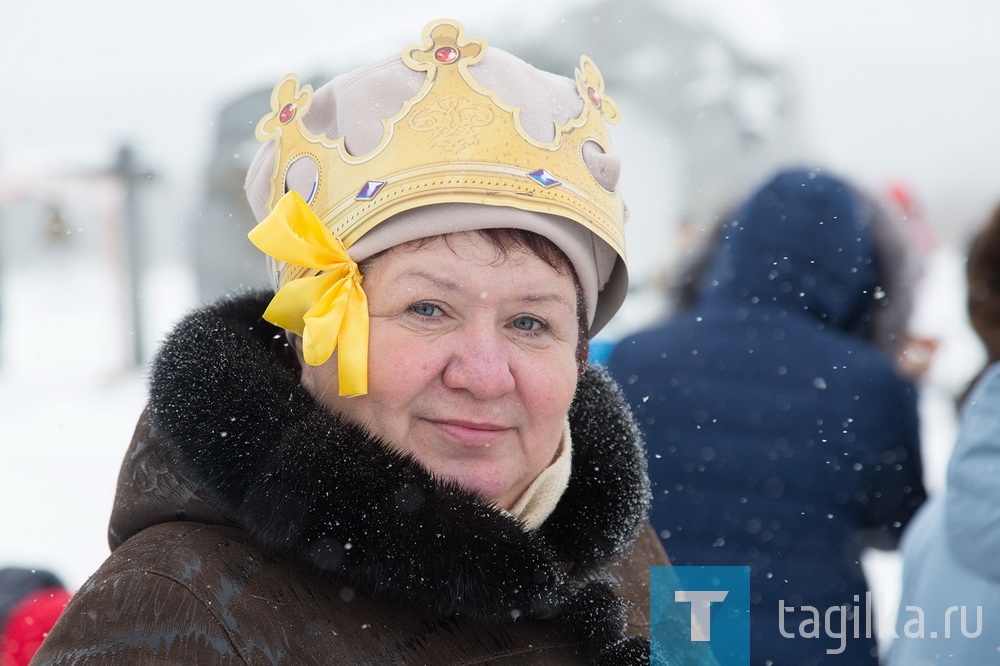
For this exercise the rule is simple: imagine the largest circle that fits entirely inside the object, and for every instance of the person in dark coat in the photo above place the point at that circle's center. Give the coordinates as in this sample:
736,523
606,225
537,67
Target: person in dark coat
419,470
780,433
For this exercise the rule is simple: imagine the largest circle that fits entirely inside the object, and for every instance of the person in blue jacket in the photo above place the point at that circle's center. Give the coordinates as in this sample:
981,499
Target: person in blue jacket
950,597
780,432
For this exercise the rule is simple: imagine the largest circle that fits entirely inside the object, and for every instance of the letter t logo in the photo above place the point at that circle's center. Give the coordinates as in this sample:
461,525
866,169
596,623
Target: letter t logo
701,602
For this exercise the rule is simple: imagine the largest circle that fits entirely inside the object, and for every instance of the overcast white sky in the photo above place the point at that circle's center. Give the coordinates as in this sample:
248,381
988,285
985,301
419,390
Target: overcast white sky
893,89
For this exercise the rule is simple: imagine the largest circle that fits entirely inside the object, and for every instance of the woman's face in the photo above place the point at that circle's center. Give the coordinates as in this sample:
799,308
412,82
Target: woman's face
472,364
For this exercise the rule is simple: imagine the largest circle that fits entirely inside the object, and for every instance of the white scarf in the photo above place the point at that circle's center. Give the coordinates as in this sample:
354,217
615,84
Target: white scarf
540,498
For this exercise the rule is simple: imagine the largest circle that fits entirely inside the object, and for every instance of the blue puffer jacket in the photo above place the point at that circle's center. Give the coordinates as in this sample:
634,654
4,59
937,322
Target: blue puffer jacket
779,436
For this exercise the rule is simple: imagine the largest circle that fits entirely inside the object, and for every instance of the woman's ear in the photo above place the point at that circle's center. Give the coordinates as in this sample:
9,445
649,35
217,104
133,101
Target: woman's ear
316,380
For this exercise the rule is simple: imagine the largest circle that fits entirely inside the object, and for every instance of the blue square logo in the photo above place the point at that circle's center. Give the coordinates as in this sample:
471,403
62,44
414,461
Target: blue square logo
700,615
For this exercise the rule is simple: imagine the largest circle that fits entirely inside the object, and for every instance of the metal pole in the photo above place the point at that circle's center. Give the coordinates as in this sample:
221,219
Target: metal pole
125,169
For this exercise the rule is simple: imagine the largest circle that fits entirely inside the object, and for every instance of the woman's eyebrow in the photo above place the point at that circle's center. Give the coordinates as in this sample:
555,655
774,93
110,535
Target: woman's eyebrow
550,297
437,280
451,285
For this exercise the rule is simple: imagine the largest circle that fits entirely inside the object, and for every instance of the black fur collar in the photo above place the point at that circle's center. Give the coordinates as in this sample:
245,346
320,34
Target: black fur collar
310,486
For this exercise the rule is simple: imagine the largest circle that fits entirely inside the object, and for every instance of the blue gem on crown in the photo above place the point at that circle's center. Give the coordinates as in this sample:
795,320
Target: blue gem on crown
369,190
543,178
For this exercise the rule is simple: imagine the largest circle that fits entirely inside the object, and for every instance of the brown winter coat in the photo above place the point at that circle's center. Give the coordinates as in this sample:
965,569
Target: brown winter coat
247,529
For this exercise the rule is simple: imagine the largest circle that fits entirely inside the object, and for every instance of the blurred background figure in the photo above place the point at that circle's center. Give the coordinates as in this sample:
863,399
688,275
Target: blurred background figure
223,217
781,433
31,601
949,550
916,352
951,574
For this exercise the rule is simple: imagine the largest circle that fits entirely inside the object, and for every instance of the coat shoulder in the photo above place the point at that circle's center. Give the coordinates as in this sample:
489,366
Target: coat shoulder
205,594
137,608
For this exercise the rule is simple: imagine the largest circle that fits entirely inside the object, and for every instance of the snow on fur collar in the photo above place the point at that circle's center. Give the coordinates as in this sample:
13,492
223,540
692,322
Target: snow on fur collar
309,485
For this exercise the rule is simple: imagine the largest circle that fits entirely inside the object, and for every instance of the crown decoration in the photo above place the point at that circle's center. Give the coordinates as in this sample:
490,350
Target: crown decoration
454,141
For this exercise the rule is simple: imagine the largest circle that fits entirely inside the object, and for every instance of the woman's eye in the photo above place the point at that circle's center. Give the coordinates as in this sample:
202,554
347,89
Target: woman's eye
425,309
527,324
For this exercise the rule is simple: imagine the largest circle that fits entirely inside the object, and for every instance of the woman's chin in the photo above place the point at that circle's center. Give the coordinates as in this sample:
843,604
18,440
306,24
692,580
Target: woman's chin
493,488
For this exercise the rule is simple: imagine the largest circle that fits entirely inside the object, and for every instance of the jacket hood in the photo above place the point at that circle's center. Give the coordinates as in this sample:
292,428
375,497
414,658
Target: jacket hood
230,436
802,243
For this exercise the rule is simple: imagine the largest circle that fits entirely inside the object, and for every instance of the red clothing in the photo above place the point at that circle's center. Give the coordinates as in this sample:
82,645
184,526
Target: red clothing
29,623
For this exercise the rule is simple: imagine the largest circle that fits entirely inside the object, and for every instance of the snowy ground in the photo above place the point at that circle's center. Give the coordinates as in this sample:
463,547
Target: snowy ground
69,399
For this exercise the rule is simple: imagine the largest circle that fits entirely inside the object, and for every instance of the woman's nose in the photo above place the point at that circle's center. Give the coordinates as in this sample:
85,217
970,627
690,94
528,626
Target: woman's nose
479,362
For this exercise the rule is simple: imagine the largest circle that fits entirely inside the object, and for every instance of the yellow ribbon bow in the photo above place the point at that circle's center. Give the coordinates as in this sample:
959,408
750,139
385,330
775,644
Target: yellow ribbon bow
326,309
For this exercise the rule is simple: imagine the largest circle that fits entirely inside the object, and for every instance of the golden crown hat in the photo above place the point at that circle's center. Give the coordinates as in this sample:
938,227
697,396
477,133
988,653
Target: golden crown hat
454,141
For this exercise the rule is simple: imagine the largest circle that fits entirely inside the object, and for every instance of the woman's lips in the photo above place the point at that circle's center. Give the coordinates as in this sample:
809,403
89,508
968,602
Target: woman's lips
472,434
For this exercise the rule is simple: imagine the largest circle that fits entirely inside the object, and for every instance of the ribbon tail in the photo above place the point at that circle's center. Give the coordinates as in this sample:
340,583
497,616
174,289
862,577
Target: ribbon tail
323,323
340,319
353,357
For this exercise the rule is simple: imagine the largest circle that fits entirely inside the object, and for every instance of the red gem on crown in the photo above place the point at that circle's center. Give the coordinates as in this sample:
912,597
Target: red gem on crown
287,112
595,97
446,55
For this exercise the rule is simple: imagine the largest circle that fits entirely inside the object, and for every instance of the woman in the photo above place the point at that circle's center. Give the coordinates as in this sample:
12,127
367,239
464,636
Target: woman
419,470
782,435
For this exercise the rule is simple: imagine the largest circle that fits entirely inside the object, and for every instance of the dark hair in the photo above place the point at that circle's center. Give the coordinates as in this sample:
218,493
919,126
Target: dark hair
983,282
506,240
